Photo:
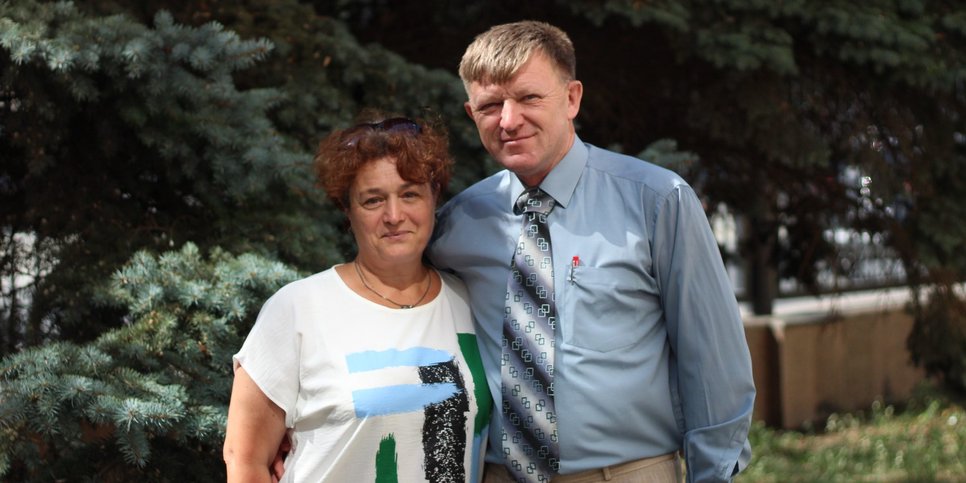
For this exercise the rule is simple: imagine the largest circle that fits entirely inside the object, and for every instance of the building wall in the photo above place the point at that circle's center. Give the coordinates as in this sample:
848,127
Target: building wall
811,365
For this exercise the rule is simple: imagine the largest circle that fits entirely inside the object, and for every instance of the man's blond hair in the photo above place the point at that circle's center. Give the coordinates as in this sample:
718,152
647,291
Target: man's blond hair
497,54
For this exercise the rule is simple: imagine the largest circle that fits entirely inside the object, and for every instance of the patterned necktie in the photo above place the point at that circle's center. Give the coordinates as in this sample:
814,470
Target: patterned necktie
529,419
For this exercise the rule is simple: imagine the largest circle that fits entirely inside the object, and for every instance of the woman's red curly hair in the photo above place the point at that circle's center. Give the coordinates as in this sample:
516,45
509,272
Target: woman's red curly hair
420,157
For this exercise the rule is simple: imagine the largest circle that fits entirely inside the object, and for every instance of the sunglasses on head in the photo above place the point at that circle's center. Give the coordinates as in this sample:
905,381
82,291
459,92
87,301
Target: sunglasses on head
392,125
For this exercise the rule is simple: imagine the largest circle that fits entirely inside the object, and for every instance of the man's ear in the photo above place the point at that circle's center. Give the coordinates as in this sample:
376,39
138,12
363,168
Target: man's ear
468,108
575,92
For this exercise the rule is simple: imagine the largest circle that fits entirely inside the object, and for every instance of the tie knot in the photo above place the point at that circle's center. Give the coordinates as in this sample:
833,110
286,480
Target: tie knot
534,200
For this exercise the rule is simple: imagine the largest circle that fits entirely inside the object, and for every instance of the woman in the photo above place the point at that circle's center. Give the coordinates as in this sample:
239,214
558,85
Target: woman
372,364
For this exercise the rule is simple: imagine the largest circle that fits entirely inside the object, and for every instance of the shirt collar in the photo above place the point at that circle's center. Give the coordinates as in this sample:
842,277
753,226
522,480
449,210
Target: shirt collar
562,180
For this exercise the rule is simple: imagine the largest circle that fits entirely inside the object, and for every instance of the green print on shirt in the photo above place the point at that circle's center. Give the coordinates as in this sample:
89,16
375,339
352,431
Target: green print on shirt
471,353
386,459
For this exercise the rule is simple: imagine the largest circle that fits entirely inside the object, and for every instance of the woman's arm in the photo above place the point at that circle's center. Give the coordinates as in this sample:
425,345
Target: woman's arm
255,429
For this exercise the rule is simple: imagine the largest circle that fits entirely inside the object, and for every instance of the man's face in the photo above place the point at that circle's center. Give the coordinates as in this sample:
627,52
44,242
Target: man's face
527,123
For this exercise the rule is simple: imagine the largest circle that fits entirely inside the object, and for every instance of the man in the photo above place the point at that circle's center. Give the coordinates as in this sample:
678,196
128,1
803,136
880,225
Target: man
637,351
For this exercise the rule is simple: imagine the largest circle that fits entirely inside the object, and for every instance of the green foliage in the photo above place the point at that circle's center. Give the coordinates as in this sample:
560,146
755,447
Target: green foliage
117,136
327,75
909,41
148,398
164,75
664,152
923,442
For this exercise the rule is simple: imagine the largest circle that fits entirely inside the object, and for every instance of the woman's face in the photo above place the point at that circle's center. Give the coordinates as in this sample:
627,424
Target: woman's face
392,219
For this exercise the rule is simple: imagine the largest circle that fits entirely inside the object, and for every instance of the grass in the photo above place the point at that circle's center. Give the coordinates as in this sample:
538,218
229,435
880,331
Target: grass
924,441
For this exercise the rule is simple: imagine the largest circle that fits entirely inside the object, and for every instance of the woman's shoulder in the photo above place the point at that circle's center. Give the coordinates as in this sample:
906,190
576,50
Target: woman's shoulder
452,282
312,284
457,295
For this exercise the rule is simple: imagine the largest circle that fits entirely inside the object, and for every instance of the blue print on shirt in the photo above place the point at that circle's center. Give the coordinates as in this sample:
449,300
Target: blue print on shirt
375,360
401,398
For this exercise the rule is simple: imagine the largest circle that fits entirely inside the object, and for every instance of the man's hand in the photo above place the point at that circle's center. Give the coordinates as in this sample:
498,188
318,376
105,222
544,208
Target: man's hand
278,464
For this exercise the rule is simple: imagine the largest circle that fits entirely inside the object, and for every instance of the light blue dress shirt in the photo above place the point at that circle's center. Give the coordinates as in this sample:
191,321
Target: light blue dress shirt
650,350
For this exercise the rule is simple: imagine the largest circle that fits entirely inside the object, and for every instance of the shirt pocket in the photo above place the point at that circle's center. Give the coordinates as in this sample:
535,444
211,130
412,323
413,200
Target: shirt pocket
602,308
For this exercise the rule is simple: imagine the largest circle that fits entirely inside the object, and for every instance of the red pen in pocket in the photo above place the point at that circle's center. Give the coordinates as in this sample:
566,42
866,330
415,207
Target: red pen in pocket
574,263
